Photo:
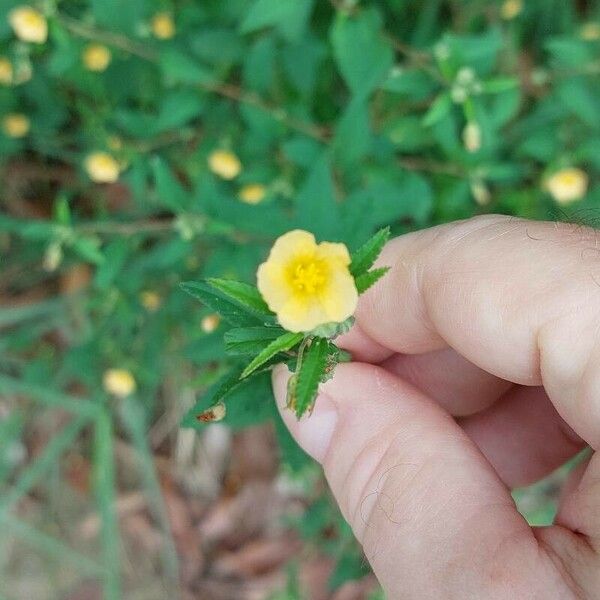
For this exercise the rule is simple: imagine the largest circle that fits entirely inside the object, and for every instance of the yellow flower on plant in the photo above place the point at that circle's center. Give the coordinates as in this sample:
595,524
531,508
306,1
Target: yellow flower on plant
150,300
252,193
119,382
225,164
6,71
511,9
307,284
210,323
590,31
96,57
102,167
28,24
567,185
163,26
16,125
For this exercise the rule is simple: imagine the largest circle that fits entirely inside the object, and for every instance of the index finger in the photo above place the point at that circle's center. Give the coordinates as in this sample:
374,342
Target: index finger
520,299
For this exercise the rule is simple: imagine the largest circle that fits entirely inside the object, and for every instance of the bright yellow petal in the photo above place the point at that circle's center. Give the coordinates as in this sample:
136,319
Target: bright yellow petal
332,251
291,245
272,284
302,314
340,297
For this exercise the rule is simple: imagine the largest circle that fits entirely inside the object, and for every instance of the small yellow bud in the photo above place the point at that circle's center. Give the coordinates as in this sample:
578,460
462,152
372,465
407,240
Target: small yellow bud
481,193
162,26
102,167
119,382
511,9
472,137
225,164
567,185
253,193
96,57
6,71
210,323
16,125
590,31
53,257
150,300
28,24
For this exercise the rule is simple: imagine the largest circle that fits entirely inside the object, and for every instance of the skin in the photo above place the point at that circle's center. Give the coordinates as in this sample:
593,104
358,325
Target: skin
476,369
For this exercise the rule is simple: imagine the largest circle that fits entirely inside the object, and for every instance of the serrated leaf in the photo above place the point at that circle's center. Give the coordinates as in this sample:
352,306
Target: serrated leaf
242,293
250,340
281,344
366,255
366,280
303,390
231,311
248,402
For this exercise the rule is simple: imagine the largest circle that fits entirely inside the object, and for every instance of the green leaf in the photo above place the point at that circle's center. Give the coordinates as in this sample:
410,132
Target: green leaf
366,255
170,193
267,13
366,280
178,67
362,54
244,293
250,340
302,390
353,137
439,108
281,344
316,207
234,313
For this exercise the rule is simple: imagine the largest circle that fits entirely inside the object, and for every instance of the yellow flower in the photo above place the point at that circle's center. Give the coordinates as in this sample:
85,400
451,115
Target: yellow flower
6,71
472,136
96,57
102,167
28,24
150,300
225,164
307,284
590,31
210,323
567,185
118,382
16,125
253,193
511,9
162,26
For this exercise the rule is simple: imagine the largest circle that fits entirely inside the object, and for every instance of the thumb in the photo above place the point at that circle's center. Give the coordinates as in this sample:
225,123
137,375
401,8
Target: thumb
433,517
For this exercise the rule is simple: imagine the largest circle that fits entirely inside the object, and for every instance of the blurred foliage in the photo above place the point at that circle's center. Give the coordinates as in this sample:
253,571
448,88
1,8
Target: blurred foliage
148,142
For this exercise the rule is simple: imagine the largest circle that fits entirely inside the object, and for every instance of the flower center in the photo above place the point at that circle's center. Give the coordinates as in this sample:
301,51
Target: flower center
307,276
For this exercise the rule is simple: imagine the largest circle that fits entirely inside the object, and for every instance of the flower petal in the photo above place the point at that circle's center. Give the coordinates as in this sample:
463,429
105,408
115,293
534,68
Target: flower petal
340,297
292,245
332,251
272,284
302,314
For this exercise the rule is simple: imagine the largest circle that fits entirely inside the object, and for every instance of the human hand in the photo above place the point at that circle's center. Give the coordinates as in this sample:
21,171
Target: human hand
479,371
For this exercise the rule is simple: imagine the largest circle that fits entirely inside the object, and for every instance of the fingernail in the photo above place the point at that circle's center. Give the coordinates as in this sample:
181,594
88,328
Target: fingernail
313,431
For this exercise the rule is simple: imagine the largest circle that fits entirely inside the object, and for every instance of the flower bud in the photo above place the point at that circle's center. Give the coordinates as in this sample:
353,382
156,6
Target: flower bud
28,24
567,185
225,164
163,26
102,167
252,193
119,382
96,57
16,125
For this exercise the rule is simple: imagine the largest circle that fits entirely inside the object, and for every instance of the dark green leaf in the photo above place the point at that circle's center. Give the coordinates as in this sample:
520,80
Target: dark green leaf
362,54
284,342
306,381
231,311
250,340
366,280
365,256
244,293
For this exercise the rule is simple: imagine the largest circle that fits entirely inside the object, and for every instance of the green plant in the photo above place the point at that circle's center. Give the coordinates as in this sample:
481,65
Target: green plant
202,132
